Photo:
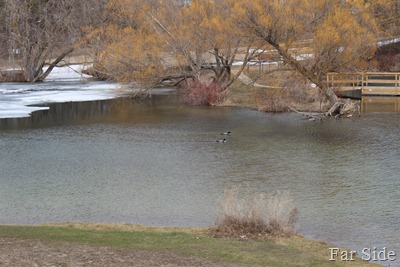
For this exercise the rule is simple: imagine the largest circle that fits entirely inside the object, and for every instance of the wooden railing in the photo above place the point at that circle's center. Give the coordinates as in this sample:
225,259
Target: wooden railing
368,83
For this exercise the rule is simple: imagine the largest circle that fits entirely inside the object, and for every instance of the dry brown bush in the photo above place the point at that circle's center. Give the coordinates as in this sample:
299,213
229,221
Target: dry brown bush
253,217
298,89
272,102
201,93
388,62
291,89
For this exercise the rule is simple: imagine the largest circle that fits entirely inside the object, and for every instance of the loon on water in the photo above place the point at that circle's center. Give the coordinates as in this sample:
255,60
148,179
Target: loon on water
227,133
221,140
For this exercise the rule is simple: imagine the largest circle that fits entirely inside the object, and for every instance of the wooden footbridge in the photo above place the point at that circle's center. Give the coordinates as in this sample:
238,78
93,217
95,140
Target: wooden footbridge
356,85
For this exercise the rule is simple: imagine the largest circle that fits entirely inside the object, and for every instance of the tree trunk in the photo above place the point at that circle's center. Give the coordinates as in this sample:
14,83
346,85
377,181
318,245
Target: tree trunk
43,76
288,58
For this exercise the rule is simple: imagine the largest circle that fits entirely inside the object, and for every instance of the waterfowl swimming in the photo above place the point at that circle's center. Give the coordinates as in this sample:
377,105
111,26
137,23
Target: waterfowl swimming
221,140
227,133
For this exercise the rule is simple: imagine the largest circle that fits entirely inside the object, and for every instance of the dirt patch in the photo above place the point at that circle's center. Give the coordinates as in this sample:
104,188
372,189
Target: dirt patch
23,252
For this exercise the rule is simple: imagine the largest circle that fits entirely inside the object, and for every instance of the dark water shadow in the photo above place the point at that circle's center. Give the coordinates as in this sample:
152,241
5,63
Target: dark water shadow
120,110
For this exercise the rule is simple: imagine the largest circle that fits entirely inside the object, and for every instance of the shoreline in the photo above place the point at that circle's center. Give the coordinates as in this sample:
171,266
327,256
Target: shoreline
147,228
184,246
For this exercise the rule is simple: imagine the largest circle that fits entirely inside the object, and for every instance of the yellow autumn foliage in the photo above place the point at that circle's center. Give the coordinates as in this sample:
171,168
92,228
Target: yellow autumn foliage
151,41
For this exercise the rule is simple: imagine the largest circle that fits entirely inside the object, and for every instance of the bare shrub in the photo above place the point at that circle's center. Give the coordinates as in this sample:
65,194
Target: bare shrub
291,89
273,104
282,214
201,94
253,217
298,89
389,62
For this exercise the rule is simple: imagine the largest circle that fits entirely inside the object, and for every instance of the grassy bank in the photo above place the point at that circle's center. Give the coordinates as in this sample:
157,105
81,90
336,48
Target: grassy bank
279,87
294,251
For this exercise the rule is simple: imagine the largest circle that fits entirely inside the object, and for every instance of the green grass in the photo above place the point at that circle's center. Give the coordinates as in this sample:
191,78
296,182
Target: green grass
294,251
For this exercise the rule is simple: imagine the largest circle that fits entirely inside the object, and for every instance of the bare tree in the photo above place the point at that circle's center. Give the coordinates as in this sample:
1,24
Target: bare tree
387,14
40,32
161,41
339,35
3,32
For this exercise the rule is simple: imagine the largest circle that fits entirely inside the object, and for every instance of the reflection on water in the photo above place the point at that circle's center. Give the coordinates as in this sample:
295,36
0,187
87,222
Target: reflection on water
156,162
380,104
115,111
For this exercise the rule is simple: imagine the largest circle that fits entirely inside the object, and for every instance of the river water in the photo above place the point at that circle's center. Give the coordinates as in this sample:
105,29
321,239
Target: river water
156,162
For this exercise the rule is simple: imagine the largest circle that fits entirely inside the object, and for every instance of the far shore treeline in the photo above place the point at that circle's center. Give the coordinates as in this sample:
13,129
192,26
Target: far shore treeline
200,46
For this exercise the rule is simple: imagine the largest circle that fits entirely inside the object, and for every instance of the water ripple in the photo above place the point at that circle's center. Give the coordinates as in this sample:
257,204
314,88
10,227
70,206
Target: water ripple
160,165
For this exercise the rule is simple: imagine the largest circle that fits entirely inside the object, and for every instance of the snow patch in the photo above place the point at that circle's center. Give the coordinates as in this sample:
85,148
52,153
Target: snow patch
64,84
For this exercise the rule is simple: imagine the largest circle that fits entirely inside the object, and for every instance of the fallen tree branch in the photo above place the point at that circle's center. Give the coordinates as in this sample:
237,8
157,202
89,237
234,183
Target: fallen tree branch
346,109
312,116
335,109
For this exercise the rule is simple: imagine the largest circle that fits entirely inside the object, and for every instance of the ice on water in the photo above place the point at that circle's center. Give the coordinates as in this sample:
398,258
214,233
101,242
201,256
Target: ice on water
64,84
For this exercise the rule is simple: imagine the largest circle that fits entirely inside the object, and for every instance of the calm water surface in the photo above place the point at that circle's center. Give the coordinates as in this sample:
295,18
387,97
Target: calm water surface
158,163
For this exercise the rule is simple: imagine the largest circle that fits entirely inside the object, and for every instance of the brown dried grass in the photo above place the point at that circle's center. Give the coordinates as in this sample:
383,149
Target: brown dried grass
291,89
255,217
201,93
